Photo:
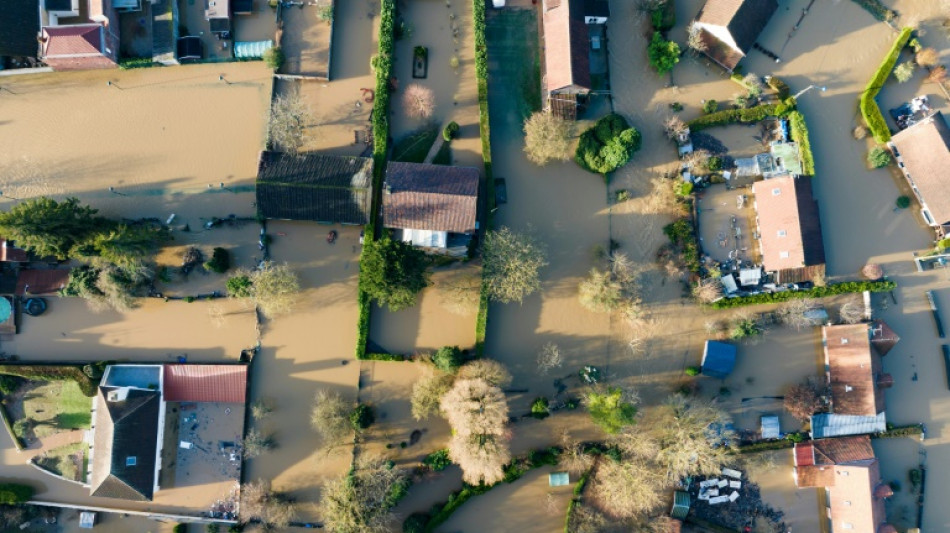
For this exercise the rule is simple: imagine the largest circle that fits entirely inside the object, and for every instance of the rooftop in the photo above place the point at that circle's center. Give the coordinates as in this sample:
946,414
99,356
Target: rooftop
125,445
743,21
430,197
924,153
789,226
566,47
72,40
853,370
205,383
719,358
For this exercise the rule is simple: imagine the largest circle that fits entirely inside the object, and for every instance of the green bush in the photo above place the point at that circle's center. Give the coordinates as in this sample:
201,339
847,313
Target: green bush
180,528
274,57
9,384
450,131
815,292
693,370
715,163
780,87
683,236
220,261
382,356
416,523
912,430
799,132
438,460
239,286
607,145
710,106
748,115
943,244
610,411
127,63
212,528
663,17
663,54
879,157
683,188
869,108
448,359
539,408
13,493
903,202
362,417
398,491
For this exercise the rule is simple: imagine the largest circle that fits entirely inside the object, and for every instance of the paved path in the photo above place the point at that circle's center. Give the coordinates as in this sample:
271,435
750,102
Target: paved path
436,146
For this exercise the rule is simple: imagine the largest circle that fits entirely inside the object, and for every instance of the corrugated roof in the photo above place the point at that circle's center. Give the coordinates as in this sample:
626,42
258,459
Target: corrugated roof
123,430
18,28
925,152
831,425
430,197
789,225
566,47
316,187
75,39
205,383
853,369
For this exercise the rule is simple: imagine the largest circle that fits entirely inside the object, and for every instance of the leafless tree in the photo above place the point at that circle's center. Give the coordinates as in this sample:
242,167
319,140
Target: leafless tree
600,292
708,290
261,409
478,413
275,288
460,293
329,416
360,501
754,84
927,57
418,101
289,118
489,370
852,311
795,312
255,444
427,392
803,400
548,137
698,161
573,458
937,74
511,263
628,488
872,271
860,132
674,126
260,502
549,358
695,40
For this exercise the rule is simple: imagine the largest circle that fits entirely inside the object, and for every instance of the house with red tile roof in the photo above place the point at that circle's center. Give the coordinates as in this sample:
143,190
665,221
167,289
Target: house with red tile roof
847,468
83,34
788,229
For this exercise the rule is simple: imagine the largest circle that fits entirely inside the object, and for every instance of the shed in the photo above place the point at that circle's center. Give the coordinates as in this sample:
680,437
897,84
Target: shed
559,479
87,520
680,505
770,427
750,276
252,49
729,284
719,359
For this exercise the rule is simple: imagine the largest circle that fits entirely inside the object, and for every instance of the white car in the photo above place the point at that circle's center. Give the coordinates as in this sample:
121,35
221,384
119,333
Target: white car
498,3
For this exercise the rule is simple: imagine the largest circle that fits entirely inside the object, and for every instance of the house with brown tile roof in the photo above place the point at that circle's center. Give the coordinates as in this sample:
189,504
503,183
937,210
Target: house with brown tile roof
570,29
204,383
857,379
788,229
729,28
428,204
847,469
923,155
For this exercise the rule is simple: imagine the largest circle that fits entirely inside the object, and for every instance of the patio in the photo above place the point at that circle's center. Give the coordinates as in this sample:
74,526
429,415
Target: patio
726,223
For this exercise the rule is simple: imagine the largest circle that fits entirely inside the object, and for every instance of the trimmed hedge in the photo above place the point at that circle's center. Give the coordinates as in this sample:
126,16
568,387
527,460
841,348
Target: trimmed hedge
869,108
780,87
815,292
13,493
481,76
578,490
54,373
799,131
745,116
385,357
900,431
877,9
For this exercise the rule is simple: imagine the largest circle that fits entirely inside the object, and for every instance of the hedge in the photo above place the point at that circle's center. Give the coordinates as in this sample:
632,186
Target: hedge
815,292
877,9
799,131
869,108
13,493
749,115
578,490
385,357
780,87
900,431
663,18
53,373
383,64
481,75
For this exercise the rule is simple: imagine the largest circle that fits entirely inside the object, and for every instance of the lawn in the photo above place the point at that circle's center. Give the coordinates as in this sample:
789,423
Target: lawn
56,406
414,147
62,461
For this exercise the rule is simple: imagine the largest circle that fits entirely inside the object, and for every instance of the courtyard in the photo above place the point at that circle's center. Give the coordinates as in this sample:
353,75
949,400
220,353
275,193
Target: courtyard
726,223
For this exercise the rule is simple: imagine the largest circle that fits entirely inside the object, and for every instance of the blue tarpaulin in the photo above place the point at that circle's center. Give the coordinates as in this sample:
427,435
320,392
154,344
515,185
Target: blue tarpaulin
252,49
719,359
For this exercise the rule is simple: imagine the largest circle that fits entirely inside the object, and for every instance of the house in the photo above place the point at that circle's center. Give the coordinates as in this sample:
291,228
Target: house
729,28
788,229
719,359
218,15
19,27
315,187
574,38
923,155
855,373
82,34
432,206
129,411
851,475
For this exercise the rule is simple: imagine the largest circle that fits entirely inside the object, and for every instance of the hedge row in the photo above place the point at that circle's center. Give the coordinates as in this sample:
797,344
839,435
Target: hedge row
9,425
765,445
799,131
780,87
481,75
869,108
815,292
385,357
383,64
12,493
53,373
749,115
877,9
578,490
900,431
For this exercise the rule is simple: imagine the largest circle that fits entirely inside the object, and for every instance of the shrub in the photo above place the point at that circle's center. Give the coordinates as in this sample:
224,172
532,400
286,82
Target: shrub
815,292
181,528
274,57
869,108
212,528
416,523
663,16
539,408
610,411
710,106
13,494
904,72
735,116
663,54
450,131
714,163
239,286
9,384
780,87
220,261
608,145
799,132
683,188
693,370
362,417
879,157
448,359
438,460
683,236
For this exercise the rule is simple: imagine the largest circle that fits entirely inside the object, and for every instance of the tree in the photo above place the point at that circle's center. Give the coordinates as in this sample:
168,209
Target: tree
109,287
798,313
330,417
879,157
547,137
220,261
427,392
674,127
695,40
574,458
663,54
460,292
708,290
239,286
49,228
488,370
610,409
274,288
13,494
124,246
689,437
607,145
478,413
261,409
852,311
274,57
710,106
600,292
802,400
255,444
628,488
361,501
753,84
393,272
260,502
927,57
937,74
904,72
362,417
549,358
745,325
448,359
511,264
289,117
418,101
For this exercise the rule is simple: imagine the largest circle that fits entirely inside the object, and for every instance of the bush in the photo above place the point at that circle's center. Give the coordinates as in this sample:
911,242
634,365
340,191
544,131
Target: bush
683,236
239,286
710,106
180,528
274,57
879,157
799,132
450,132
362,417
212,528
869,108
220,261
9,384
780,87
877,10
539,408
438,460
610,410
683,188
608,145
416,523
383,356
663,54
448,359
815,292
903,202
693,370
748,115
663,17
13,494
715,163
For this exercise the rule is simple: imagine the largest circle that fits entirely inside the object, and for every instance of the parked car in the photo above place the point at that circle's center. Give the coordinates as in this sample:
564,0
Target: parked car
498,3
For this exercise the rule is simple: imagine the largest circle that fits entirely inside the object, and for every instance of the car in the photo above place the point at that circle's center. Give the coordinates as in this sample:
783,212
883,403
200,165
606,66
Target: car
498,3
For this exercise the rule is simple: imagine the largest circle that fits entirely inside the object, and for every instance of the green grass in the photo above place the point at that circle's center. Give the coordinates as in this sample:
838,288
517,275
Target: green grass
414,147
59,462
57,406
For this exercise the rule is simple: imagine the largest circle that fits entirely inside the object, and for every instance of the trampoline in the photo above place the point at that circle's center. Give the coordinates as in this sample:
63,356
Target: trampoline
34,306
6,310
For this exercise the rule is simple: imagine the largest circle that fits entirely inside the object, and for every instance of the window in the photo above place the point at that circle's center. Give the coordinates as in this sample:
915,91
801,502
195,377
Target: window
776,191
783,255
130,460
847,503
782,233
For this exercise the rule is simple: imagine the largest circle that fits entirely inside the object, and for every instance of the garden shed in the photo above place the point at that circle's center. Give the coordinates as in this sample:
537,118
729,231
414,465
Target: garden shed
680,505
770,427
559,479
719,359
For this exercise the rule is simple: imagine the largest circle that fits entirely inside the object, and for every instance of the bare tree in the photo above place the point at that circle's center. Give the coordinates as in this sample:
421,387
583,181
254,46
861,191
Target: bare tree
460,293
852,311
708,290
600,292
796,312
261,409
478,413
289,117
573,458
549,358
904,72
361,501
872,271
698,161
511,265
754,84
260,502
493,372
329,416
548,137
275,288
927,57
628,488
860,132
937,74
674,126
803,400
418,101
695,41
427,392
255,444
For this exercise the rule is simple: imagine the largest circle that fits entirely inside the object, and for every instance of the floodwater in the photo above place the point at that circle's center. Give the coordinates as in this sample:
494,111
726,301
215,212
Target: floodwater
779,491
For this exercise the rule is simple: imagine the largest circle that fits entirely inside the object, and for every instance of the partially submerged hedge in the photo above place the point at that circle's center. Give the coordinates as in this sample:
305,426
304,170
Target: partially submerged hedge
877,9
54,373
869,108
481,75
578,490
13,493
799,131
744,116
815,292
